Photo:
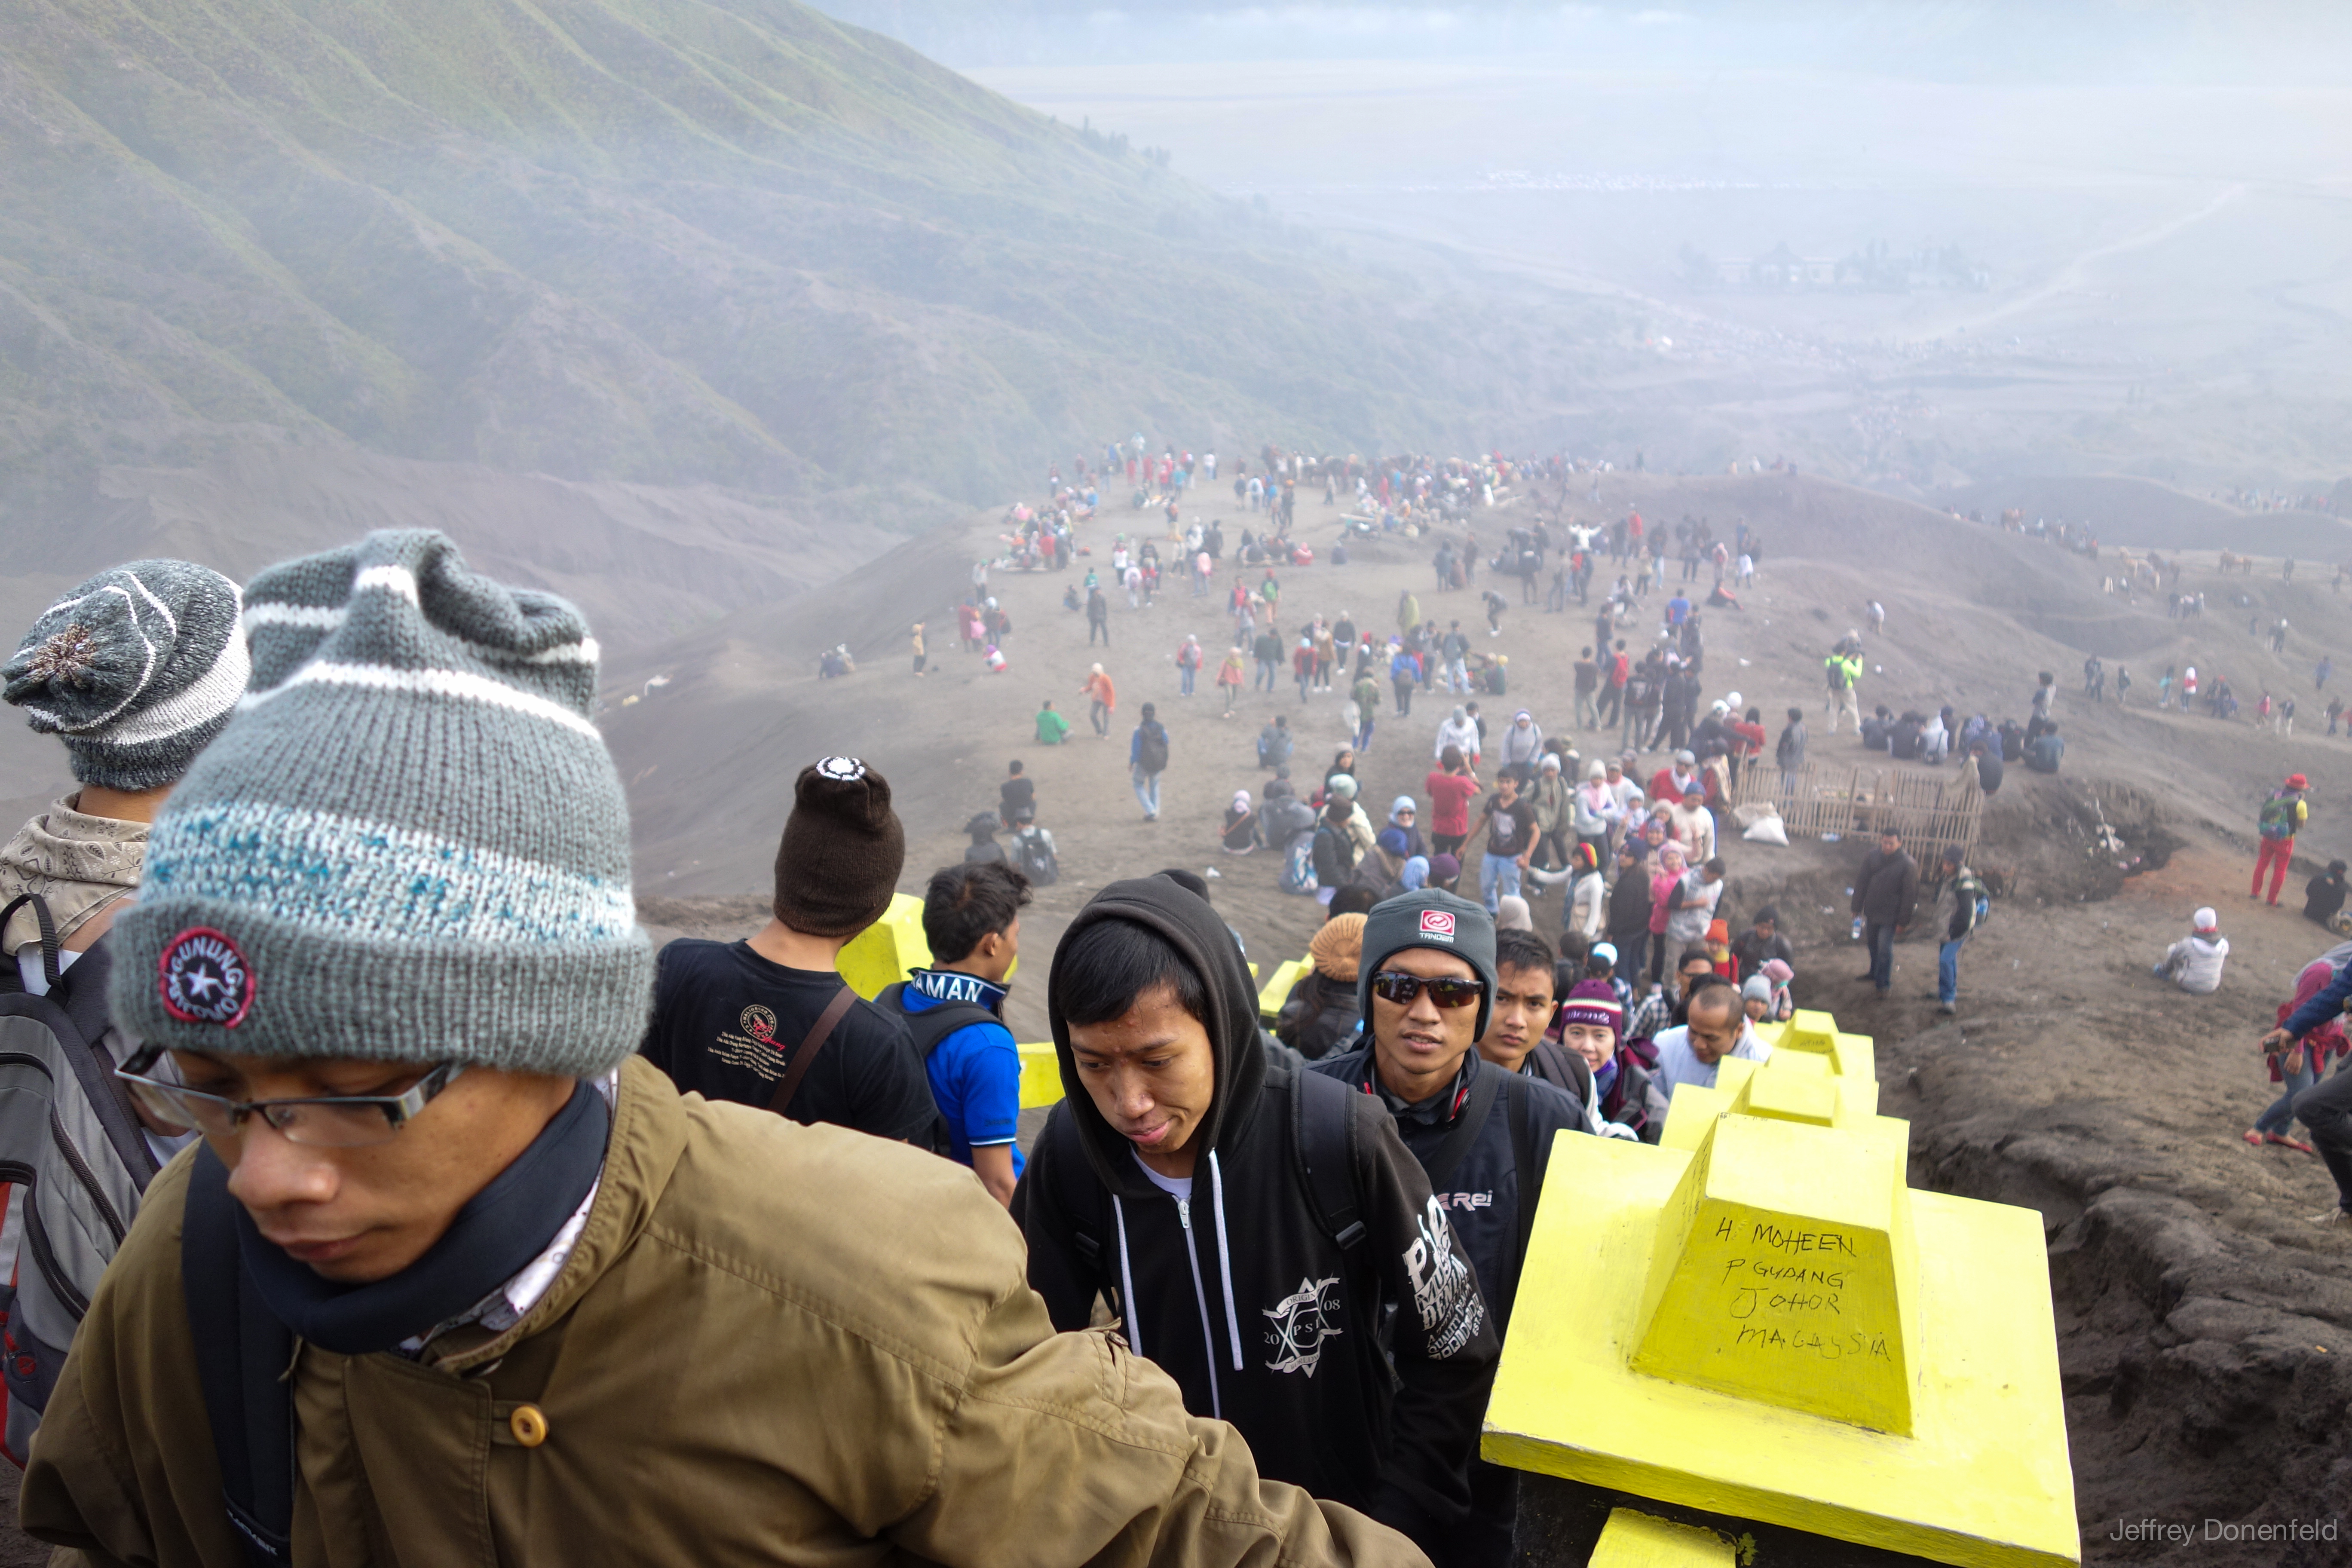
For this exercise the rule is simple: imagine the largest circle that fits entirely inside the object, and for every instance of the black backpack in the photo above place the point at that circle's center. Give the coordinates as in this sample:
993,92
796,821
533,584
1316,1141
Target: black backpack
1035,860
1151,747
69,1137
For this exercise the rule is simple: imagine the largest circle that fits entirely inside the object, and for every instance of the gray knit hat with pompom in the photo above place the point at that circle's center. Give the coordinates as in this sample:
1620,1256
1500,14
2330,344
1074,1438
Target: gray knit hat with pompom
409,845
135,670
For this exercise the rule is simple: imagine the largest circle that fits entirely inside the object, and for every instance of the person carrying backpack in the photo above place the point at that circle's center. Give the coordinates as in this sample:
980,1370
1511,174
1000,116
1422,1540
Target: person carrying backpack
1961,905
1033,850
2281,815
1843,670
135,670
954,1011
1428,987
544,1302
1147,759
1251,1226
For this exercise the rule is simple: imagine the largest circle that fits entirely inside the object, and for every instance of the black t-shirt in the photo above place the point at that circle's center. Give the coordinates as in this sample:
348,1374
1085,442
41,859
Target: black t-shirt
1017,793
726,1022
1509,828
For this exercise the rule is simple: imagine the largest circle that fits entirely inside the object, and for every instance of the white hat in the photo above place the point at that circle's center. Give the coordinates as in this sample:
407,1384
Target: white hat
2205,919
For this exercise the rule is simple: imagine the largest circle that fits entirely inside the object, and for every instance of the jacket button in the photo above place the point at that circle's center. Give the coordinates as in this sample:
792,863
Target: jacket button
527,1425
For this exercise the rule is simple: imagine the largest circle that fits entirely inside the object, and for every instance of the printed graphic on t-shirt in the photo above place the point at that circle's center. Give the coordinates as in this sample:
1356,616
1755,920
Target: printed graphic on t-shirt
1444,1292
1301,1322
759,1053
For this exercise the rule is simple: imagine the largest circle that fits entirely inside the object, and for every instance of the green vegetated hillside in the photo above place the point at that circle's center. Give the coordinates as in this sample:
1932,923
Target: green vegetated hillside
731,242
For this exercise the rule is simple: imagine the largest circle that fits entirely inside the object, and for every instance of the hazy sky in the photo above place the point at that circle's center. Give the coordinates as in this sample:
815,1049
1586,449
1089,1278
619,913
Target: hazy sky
2258,41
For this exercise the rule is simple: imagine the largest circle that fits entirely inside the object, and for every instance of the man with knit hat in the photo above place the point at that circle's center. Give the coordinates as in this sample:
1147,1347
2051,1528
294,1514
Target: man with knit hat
769,1021
1260,1234
1427,987
453,1279
134,670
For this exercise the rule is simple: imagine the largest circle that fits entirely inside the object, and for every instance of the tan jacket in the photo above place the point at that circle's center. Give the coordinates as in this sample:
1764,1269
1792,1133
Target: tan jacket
774,1343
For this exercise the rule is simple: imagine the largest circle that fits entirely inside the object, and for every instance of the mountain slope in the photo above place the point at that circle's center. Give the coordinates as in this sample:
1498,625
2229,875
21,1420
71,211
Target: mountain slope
659,241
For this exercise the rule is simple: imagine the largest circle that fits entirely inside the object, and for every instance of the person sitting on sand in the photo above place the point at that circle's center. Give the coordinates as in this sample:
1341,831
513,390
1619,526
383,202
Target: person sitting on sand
2044,752
2324,895
1241,835
1052,728
2195,961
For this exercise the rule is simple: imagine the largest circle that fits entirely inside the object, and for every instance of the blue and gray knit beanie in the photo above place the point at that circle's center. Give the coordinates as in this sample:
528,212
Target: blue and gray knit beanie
135,670
409,845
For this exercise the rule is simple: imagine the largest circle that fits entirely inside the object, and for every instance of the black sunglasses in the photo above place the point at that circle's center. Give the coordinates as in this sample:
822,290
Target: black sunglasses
1395,985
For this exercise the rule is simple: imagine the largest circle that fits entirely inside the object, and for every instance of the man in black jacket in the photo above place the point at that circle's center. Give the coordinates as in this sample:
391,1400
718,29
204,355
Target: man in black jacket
1885,890
1629,909
1483,1135
1252,1228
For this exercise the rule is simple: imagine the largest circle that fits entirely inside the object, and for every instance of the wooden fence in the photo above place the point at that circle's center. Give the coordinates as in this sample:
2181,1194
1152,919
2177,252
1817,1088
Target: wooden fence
1930,809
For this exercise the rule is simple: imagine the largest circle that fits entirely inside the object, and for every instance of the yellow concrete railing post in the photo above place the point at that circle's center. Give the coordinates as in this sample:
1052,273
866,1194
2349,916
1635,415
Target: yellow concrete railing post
1761,1320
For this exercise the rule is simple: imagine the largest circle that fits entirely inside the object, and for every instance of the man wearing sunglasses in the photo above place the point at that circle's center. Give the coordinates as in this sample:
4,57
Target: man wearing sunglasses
455,1277
1426,987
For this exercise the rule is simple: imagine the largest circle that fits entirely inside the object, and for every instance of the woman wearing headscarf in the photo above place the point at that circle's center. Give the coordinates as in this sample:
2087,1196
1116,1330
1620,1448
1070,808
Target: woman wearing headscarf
1405,817
1241,826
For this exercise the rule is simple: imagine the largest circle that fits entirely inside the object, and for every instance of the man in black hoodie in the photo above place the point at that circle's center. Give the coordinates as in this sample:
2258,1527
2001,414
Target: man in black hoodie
1427,986
1251,1226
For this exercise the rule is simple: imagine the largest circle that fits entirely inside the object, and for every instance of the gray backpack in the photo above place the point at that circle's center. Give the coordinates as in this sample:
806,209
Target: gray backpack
74,1161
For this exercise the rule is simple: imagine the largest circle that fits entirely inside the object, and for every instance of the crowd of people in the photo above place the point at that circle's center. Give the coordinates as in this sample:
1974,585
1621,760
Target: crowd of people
408,1106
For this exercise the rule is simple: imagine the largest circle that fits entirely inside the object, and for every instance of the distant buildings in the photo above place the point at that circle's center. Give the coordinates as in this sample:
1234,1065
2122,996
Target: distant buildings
1874,269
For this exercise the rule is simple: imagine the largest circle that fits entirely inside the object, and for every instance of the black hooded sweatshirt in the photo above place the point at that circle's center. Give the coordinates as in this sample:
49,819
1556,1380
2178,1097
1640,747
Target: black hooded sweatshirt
1242,1295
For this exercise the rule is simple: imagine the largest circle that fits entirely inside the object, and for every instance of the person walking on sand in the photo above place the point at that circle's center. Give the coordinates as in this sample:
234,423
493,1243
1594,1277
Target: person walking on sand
2281,815
1147,759
1229,678
1101,699
1098,618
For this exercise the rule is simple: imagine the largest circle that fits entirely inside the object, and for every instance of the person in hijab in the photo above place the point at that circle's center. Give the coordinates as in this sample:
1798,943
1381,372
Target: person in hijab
1241,834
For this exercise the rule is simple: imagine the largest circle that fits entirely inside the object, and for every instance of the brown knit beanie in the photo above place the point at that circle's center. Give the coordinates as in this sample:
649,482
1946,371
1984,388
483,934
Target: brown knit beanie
1338,947
842,850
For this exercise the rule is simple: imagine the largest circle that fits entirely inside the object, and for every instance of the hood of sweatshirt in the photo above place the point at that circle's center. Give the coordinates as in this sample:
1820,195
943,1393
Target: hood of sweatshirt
1189,924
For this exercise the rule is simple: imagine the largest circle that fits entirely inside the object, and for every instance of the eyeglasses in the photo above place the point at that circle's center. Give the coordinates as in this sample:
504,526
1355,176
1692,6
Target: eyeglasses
319,1121
1395,985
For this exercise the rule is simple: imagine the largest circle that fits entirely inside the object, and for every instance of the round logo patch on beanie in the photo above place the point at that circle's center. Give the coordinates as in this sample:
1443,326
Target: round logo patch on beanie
205,979
841,770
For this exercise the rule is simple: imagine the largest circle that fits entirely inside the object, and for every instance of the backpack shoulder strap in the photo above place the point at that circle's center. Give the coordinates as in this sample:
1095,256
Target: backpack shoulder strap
242,1350
48,929
819,1032
1081,1198
1323,1139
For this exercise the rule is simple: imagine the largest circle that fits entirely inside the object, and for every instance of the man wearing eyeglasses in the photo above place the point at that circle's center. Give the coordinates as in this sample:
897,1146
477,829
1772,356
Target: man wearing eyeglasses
456,1278
1483,1134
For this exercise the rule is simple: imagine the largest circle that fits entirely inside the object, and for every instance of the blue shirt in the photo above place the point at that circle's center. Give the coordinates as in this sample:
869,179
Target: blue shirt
975,1077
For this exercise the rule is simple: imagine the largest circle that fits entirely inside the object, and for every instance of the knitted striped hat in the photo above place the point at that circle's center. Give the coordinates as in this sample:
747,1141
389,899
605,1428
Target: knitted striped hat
134,670
408,845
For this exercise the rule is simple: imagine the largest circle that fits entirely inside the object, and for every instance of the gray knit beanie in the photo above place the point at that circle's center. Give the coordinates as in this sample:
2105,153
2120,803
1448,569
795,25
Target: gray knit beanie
135,670
408,845
1431,918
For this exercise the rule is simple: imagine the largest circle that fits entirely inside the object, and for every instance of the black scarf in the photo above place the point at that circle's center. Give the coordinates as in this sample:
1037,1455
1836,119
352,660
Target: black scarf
496,1233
